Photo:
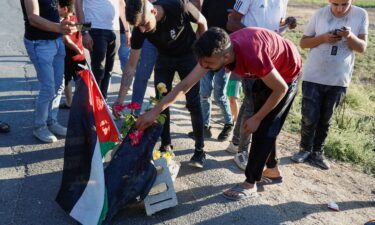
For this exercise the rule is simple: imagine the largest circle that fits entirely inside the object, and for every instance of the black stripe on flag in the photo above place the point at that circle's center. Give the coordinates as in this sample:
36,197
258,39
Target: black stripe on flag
80,144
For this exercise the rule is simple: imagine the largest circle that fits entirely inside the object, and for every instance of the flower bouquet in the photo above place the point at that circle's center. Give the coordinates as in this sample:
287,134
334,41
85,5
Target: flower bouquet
128,125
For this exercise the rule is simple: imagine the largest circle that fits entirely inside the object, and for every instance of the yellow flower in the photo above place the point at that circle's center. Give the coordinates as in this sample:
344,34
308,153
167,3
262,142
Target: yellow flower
156,154
162,88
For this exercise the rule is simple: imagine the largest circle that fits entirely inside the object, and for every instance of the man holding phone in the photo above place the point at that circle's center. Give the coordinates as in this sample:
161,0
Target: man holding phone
333,35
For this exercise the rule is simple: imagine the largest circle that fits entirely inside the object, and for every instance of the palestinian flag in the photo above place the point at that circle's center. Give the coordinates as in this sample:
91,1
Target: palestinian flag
91,134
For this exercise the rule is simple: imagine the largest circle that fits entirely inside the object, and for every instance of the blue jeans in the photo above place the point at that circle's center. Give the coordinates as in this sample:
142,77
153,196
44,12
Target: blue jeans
318,105
103,56
165,69
218,82
241,138
144,70
47,57
123,51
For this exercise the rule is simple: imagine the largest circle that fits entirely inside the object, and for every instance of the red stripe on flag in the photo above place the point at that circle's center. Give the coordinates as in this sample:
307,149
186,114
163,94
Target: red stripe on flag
105,126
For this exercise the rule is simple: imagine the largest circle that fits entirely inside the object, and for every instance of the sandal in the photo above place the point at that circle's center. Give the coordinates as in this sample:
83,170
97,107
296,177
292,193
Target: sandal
242,193
270,180
4,127
64,106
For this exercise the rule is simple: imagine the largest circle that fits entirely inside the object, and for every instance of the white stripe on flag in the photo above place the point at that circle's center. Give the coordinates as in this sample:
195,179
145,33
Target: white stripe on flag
88,208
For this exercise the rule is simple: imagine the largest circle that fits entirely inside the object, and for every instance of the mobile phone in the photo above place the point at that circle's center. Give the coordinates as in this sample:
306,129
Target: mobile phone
83,26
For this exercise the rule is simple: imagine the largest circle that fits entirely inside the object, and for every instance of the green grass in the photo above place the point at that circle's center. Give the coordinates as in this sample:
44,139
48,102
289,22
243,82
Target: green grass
361,3
352,134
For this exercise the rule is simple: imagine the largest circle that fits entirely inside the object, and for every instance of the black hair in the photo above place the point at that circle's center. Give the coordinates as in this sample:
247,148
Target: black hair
135,10
67,3
214,41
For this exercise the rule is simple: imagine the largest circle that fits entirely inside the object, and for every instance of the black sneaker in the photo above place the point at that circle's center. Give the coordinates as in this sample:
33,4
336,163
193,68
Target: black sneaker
225,132
318,159
206,133
300,156
198,159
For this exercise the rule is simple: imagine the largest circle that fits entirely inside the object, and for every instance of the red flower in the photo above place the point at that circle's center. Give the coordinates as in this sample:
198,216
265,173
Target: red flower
133,106
119,107
136,136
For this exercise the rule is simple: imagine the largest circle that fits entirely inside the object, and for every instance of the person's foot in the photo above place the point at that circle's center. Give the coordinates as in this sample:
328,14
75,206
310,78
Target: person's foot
4,127
232,148
241,191
272,172
318,159
223,136
300,156
44,135
57,129
206,133
241,159
198,159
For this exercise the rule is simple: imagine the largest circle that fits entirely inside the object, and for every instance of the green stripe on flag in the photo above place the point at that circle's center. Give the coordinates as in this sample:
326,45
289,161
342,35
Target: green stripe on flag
105,147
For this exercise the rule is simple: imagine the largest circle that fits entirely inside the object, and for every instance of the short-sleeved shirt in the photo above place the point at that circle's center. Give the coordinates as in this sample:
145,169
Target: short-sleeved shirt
48,11
216,12
258,51
76,37
103,14
262,13
174,35
332,63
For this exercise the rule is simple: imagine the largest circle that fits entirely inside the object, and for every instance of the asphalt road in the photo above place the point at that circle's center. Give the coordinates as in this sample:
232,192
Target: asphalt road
30,172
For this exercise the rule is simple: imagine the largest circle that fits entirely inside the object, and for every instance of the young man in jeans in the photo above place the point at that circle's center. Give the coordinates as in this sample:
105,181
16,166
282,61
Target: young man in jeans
248,53
46,50
166,24
216,11
333,35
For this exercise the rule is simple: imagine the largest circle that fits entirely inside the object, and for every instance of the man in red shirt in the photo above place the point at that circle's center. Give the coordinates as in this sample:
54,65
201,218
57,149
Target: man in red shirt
276,64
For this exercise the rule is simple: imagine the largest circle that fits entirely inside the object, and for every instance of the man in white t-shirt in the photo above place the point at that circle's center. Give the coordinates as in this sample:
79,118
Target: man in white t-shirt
269,14
333,35
103,39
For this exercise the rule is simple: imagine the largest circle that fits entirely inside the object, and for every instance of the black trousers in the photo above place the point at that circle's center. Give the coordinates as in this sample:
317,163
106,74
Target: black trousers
165,69
106,43
263,145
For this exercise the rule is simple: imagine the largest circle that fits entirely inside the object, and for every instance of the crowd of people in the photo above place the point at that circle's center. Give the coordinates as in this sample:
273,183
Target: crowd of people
238,44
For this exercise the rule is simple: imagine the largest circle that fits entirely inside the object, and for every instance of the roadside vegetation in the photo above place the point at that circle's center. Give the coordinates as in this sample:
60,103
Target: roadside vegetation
352,135
361,3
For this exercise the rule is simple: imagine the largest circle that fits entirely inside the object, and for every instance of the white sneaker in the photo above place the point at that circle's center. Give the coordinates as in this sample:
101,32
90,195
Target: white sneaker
57,129
241,159
44,135
232,148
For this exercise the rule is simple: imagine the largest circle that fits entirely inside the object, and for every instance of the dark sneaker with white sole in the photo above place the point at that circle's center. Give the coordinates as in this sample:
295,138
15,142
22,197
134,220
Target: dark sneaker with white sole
318,159
300,156
198,159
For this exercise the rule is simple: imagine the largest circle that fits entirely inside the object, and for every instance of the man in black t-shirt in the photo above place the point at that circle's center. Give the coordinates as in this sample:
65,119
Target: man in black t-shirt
166,24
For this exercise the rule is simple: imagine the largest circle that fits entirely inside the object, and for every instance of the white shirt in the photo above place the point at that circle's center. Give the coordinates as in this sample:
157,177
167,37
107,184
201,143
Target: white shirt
332,63
103,14
262,13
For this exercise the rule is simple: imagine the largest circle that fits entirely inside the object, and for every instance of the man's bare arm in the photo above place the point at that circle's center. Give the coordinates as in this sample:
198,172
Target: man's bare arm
234,21
35,20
